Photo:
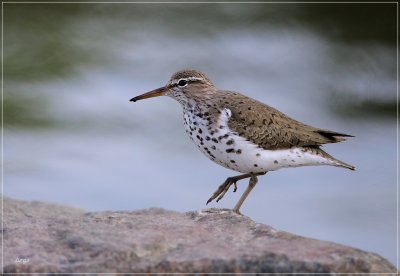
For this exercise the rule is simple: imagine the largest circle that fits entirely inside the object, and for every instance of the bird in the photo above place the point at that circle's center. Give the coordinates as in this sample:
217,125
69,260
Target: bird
243,134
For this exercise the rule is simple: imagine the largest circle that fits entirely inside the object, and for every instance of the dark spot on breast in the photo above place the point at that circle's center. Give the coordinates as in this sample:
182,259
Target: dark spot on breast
222,137
214,140
230,150
213,147
249,108
200,130
239,151
230,142
257,154
233,161
208,138
221,127
255,165
293,160
276,162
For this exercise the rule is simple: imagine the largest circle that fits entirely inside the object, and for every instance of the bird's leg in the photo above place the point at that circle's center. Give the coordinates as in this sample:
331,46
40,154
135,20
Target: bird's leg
221,191
252,183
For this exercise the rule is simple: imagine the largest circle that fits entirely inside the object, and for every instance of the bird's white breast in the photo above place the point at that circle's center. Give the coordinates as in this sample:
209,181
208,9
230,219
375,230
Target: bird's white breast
225,147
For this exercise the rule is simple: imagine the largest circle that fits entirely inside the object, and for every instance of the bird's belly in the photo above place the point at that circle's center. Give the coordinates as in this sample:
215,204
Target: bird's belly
232,151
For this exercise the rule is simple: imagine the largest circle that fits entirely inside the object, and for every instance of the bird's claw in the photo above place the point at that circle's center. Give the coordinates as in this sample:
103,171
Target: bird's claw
235,188
221,191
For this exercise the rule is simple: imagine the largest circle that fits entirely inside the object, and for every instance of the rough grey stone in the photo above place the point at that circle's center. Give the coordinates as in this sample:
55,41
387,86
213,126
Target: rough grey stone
48,238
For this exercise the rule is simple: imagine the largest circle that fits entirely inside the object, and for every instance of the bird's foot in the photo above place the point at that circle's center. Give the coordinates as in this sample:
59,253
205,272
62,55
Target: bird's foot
221,191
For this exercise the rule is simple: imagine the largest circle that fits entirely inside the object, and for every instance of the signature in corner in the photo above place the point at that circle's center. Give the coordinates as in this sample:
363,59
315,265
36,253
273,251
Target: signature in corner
22,260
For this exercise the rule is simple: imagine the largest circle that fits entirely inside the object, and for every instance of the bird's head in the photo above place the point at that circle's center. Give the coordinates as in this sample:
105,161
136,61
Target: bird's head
183,85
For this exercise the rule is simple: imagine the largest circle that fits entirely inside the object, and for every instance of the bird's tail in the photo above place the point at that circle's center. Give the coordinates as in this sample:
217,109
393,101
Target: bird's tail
333,136
342,164
336,162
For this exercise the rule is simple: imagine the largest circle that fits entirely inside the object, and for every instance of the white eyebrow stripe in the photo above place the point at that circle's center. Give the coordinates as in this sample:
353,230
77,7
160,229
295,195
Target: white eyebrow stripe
188,79
194,79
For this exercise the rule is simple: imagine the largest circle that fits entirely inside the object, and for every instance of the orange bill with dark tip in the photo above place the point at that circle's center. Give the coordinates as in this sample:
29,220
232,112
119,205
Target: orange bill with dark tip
154,93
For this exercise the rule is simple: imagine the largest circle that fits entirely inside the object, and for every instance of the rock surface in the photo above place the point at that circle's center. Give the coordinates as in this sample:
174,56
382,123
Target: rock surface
41,237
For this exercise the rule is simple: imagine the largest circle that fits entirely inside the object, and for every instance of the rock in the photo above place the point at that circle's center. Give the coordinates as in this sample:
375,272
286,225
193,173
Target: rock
48,238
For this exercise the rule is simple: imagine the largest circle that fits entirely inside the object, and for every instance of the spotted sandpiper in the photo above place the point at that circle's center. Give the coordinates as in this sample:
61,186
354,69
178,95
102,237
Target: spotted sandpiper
243,134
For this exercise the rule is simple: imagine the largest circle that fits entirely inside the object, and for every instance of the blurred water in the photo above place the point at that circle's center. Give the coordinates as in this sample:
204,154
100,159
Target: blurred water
72,136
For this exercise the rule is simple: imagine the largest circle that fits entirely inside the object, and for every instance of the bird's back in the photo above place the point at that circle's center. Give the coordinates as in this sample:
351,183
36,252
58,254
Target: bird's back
268,127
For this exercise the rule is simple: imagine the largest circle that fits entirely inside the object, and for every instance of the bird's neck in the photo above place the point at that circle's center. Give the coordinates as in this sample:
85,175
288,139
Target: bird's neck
194,106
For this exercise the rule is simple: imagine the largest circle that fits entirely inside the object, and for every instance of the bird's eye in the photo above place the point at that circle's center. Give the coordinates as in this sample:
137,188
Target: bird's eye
182,83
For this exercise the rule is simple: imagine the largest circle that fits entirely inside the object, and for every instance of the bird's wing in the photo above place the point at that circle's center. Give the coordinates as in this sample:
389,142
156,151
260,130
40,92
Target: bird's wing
270,128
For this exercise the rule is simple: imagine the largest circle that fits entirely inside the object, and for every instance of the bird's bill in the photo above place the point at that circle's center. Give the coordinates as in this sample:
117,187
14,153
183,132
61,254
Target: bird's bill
154,93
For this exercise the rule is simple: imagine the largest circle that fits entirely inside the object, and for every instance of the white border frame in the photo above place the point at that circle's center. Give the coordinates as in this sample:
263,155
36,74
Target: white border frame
204,2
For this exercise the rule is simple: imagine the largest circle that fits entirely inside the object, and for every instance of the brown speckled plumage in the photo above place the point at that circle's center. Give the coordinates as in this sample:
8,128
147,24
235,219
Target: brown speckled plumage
270,128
